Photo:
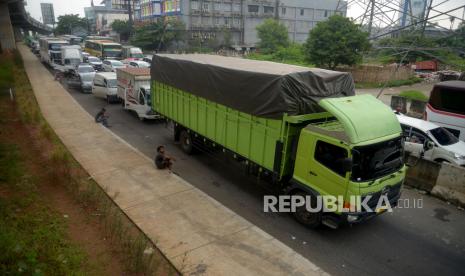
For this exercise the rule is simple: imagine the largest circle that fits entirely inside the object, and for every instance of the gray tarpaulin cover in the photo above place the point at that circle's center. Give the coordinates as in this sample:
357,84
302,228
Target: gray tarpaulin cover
261,88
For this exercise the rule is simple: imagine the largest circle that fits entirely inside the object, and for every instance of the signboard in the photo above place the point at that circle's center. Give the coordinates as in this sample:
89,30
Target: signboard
171,6
48,16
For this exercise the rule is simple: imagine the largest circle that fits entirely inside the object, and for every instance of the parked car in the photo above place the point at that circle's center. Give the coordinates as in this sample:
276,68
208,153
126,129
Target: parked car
95,62
138,64
86,74
85,55
148,58
435,142
110,65
105,86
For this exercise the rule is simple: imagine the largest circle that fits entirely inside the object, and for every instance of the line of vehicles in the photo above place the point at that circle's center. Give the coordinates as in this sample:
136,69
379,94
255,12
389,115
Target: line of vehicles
310,135
93,63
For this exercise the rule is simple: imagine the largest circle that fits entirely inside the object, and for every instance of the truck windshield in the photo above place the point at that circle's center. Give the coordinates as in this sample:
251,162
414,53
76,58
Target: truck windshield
374,161
55,46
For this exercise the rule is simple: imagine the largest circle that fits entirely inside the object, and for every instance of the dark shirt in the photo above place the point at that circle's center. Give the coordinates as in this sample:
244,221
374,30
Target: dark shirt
160,161
99,116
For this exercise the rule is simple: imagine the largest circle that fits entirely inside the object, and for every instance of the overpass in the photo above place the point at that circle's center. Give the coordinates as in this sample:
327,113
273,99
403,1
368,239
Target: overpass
14,21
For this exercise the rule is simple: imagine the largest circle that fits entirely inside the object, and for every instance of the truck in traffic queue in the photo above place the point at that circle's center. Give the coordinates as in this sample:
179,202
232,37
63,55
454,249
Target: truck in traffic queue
301,128
134,91
71,56
132,52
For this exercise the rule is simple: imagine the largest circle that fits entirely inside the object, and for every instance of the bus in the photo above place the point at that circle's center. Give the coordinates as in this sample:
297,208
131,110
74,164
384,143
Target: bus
446,107
103,49
50,50
72,39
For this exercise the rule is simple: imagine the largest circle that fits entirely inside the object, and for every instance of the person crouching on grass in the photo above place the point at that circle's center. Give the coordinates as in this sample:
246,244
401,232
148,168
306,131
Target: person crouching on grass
163,161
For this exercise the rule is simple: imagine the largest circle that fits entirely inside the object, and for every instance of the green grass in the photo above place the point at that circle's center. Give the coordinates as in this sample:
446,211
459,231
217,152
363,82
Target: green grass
414,95
33,237
393,83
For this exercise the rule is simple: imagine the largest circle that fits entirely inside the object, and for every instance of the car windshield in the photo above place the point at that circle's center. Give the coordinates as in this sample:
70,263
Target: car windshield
374,161
443,136
93,59
137,55
85,69
112,83
116,63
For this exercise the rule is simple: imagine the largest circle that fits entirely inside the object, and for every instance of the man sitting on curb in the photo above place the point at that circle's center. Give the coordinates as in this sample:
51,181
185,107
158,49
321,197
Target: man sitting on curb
102,117
163,161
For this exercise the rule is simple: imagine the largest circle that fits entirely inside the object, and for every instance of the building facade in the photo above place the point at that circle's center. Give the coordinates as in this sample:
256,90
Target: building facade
234,22
101,17
414,13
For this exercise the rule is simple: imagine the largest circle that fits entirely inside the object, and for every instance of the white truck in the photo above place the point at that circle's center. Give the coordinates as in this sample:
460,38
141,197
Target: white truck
134,91
131,52
71,56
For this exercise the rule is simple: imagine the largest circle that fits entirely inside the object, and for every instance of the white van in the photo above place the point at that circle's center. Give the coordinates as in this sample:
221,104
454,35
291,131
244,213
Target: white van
105,86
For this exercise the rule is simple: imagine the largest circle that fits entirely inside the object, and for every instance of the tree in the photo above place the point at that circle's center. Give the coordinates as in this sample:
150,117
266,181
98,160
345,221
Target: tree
158,35
272,35
335,42
123,28
66,23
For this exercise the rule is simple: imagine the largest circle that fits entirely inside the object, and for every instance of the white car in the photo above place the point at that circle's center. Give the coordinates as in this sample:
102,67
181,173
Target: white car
435,142
95,62
138,64
110,65
105,86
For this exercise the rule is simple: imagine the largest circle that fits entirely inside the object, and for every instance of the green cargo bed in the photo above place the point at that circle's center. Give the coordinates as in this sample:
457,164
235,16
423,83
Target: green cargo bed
266,142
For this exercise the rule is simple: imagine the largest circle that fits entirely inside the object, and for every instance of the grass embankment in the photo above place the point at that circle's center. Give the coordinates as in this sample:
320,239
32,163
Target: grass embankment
291,55
393,83
414,95
35,238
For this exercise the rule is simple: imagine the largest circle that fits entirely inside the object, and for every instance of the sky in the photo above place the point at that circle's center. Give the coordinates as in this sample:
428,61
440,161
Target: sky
77,7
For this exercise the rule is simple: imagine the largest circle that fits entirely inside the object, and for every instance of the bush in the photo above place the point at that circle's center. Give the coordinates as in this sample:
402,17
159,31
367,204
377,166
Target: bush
414,95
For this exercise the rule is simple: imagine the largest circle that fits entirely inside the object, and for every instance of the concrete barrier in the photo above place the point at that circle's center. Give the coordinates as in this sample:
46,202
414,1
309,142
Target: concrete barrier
423,175
450,184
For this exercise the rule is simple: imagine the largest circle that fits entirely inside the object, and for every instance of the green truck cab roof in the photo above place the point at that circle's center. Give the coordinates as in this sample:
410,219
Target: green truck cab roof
363,117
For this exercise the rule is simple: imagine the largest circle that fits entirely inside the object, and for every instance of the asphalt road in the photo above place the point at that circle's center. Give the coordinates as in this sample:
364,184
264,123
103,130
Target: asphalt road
413,241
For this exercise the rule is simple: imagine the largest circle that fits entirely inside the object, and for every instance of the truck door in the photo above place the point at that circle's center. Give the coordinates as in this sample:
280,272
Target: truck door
325,167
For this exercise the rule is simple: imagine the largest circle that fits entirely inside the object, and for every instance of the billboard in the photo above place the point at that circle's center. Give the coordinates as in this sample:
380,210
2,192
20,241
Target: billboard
171,7
48,16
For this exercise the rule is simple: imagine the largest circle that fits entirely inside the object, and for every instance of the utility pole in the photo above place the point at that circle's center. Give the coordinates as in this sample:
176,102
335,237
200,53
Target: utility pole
426,17
130,21
372,13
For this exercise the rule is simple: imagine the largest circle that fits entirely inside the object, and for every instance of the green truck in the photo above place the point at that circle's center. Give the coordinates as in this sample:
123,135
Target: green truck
301,128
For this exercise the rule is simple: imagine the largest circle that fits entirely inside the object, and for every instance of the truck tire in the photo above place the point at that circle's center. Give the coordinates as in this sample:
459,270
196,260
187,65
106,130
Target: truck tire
306,218
186,142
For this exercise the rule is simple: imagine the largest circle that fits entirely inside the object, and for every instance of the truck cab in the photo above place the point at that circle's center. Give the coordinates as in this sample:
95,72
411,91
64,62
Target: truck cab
354,150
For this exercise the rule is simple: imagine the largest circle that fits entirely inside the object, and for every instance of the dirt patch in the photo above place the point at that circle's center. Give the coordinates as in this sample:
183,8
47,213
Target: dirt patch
83,227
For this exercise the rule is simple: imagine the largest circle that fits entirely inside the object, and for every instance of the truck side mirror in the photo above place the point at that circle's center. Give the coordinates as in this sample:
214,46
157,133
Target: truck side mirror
347,164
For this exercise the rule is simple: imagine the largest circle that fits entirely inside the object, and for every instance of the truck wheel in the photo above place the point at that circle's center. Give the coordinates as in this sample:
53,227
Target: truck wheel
308,219
186,142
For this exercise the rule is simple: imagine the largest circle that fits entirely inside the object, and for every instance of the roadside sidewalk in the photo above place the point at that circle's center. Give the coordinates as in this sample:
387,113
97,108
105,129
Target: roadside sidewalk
194,231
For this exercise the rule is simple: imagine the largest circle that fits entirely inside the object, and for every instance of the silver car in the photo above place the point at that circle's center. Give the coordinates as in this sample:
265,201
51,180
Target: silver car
86,74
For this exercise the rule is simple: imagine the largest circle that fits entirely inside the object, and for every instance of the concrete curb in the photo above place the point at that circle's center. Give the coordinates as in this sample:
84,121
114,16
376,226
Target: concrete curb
450,184
194,231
